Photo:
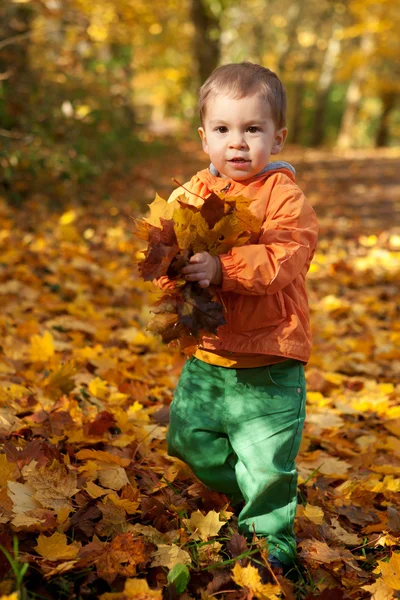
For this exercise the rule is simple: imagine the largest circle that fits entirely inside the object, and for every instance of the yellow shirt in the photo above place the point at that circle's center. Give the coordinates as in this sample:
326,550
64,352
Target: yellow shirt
233,360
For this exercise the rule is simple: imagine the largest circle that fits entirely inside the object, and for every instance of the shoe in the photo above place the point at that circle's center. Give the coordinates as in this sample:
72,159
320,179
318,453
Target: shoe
277,564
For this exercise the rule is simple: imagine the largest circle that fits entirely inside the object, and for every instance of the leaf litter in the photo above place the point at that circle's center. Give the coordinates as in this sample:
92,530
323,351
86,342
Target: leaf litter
86,485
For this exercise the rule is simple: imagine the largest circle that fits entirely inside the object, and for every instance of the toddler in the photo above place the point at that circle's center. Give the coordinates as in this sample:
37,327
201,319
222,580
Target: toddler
238,411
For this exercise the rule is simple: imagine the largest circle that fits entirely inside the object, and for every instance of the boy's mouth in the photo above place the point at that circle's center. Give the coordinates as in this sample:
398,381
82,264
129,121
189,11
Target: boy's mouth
238,159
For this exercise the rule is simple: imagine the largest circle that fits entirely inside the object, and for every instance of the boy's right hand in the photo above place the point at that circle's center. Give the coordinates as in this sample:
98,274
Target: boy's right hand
203,268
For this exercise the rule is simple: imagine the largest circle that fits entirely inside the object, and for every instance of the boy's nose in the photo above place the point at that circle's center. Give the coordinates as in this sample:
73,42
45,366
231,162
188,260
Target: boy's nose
237,141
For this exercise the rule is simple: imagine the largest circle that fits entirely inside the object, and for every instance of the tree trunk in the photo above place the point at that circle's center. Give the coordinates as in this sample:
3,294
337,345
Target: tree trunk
353,96
207,47
294,15
388,104
296,126
15,72
324,87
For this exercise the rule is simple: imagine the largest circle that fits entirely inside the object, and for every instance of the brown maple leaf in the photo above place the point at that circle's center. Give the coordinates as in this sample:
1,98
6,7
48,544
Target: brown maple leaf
122,556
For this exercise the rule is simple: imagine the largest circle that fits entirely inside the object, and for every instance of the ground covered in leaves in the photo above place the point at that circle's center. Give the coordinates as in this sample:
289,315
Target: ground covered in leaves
91,506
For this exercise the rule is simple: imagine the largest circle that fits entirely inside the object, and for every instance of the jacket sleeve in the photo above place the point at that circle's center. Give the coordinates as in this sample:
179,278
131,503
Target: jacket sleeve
285,248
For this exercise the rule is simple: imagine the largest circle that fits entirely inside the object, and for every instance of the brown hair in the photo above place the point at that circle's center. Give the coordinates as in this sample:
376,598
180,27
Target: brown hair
246,79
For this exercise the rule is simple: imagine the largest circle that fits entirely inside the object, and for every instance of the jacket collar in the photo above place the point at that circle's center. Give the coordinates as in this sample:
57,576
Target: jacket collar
277,165
213,180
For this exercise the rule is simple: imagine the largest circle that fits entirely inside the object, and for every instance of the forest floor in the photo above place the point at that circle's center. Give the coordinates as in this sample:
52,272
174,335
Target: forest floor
89,500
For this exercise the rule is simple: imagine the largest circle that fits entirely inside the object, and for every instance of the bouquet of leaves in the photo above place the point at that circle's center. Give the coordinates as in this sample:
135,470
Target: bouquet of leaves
174,232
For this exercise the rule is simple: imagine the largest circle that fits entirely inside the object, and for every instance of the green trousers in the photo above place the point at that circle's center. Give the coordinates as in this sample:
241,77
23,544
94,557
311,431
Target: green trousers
239,430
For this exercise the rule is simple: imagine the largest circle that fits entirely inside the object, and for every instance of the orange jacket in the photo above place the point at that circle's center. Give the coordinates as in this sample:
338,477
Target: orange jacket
263,282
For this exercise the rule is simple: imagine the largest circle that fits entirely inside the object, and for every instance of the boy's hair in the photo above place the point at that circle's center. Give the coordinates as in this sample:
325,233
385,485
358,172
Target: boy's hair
246,79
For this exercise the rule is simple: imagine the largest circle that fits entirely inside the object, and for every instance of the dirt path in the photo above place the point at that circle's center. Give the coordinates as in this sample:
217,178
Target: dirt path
353,194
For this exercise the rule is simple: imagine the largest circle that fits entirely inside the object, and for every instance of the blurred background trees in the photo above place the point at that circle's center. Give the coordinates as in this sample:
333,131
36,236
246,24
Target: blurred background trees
89,87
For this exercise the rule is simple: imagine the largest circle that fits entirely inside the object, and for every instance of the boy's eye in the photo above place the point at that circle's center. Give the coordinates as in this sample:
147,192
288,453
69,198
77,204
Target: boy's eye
221,129
253,129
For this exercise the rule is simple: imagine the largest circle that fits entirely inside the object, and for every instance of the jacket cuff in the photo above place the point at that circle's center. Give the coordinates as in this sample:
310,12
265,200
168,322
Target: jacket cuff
229,276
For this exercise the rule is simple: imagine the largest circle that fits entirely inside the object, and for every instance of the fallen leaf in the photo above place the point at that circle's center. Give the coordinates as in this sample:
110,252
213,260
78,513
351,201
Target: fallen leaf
249,577
204,526
169,556
55,547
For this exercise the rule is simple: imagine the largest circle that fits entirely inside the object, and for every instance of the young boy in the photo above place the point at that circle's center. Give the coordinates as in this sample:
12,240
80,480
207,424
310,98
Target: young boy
239,407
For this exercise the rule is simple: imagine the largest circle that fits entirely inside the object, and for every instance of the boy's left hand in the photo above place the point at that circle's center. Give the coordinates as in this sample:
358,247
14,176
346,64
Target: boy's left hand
203,268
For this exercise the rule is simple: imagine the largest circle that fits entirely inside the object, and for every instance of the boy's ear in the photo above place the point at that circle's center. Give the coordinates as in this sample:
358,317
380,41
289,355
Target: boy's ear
279,141
203,138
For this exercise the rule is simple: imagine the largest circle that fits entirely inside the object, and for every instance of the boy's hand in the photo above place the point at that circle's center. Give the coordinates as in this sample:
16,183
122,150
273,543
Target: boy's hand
203,268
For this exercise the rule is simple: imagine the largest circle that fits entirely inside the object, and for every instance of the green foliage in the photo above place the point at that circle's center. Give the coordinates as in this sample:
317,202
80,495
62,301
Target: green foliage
179,577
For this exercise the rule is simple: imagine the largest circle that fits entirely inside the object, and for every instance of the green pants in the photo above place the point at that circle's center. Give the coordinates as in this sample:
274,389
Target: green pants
240,430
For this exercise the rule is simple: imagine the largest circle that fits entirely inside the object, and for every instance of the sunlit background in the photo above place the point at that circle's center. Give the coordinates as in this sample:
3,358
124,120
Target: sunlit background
85,86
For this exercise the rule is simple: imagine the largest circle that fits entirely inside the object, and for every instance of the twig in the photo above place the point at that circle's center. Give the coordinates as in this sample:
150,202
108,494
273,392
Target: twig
15,38
262,552
15,135
186,190
223,592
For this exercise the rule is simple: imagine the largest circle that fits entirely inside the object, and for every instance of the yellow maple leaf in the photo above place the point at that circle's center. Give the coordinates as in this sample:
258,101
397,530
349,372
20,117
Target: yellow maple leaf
14,596
379,590
94,491
61,380
127,504
68,217
390,571
56,548
99,388
314,514
206,525
103,457
250,578
7,471
191,230
160,208
42,348
169,556
135,589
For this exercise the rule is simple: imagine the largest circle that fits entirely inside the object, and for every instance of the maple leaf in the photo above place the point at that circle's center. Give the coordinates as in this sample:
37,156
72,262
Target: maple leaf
379,590
350,539
42,348
157,260
204,526
209,553
191,229
314,514
169,556
56,548
7,471
122,556
113,477
216,226
213,210
249,577
135,589
22,496
320,552
113,520
390,571
54,485
160,209
102,457
61,381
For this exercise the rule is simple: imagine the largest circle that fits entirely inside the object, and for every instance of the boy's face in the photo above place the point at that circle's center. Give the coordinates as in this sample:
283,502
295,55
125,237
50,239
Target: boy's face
239,135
